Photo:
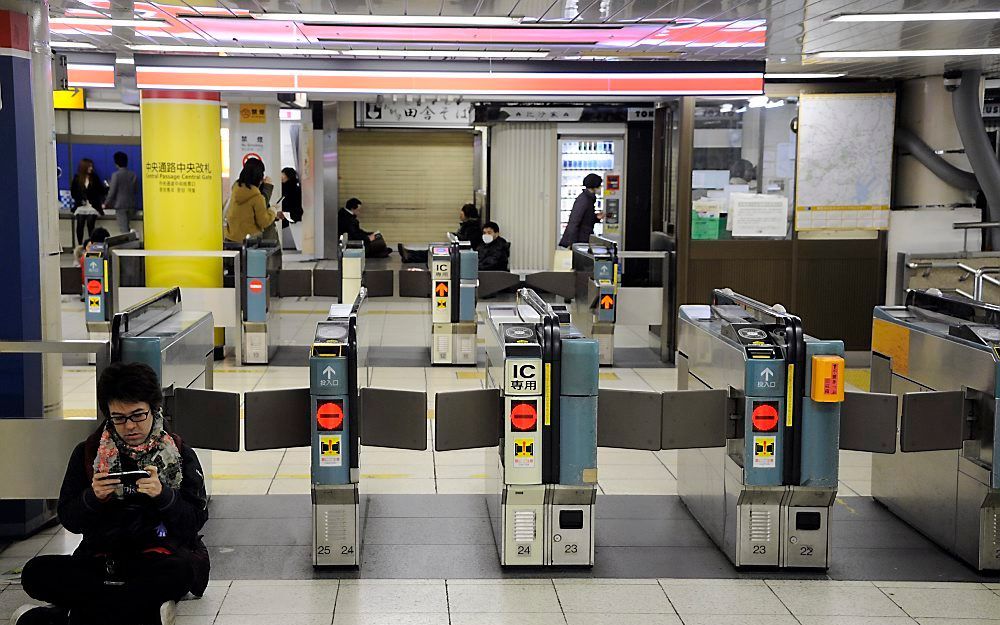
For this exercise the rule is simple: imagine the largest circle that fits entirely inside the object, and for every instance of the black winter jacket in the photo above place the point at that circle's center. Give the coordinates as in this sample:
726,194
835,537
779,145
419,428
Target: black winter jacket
471,230
581,220
348,222
130,525
95,193
495,255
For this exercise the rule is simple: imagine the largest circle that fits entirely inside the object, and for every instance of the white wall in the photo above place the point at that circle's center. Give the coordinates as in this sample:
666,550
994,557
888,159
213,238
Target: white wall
523,191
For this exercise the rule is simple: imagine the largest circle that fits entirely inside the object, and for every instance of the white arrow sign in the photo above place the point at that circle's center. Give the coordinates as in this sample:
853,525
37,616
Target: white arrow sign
767,374
329,372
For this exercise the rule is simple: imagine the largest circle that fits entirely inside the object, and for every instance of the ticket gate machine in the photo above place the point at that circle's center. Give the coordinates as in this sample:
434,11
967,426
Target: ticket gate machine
941,356
337,414
98,295
352,268
597,280
454,283
540,410
765,496
260,337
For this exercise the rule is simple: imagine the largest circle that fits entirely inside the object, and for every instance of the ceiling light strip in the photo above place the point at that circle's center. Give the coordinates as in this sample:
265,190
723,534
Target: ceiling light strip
391,20
98,21
82,75
450,82
880,54
942,16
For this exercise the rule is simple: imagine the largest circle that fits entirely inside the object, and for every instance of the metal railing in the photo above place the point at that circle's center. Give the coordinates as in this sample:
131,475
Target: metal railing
208,299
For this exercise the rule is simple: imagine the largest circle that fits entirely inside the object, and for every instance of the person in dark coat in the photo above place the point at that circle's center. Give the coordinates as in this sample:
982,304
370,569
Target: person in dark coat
494,253
471,228
582,218
141,548
88,198
347,221
291,197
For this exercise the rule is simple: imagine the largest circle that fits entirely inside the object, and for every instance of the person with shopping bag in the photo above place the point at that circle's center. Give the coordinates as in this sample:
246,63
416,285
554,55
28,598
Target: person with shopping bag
249,212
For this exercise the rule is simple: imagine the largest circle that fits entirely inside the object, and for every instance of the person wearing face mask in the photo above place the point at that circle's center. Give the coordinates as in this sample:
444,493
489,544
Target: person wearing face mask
137,494
494,253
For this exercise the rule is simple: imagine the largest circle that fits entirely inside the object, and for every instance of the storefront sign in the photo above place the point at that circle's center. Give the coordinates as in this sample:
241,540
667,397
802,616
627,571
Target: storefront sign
412,115
541,113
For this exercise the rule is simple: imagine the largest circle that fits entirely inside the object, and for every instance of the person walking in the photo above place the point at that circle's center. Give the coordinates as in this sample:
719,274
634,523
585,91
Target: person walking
582,218
122,192
88,199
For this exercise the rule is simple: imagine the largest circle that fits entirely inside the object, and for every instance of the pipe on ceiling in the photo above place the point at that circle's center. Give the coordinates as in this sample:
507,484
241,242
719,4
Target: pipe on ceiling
925,155
969,120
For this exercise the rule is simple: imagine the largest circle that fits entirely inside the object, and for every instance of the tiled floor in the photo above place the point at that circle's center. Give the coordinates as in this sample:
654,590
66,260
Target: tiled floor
580,602
477,601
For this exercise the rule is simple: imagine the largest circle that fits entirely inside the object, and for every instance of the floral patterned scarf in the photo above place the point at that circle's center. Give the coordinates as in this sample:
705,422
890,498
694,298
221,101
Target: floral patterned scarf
158,450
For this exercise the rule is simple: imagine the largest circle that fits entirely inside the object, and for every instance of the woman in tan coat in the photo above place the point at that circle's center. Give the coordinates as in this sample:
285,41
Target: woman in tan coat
249,212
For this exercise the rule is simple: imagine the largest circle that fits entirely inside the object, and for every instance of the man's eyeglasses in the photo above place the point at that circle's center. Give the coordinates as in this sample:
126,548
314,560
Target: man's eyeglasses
135,417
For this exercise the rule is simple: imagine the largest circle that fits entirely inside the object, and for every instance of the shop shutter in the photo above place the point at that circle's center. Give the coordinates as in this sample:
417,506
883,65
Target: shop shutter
412,183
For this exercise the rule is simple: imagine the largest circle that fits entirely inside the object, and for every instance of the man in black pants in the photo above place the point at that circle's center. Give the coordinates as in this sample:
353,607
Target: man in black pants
141,550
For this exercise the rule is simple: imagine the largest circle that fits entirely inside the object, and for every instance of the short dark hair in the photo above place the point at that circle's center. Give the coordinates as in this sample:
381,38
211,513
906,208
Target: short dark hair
252,174
128,382
470,211
99,235
121,159
492,225
352,203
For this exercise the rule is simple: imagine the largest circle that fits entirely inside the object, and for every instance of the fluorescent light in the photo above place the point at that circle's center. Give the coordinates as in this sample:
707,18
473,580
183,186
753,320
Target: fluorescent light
800,76
881,54
124,60
464,54
100,21
944,16
72,45
235,50
391,20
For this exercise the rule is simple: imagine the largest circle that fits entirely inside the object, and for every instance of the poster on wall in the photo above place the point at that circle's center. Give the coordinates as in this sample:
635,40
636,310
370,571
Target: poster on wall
254,133
844,174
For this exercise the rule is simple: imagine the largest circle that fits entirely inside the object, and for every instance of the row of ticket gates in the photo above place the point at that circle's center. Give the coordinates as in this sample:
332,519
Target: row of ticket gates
110,268
759,418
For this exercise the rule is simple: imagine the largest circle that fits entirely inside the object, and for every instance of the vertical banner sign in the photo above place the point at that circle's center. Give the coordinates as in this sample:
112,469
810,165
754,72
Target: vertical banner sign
182,185
255,132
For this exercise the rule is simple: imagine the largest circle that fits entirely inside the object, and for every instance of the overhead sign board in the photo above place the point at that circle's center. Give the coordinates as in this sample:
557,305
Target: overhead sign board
433,114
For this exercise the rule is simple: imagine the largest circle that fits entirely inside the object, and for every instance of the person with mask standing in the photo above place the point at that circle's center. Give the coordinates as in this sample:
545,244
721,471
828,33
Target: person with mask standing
582,218
88,198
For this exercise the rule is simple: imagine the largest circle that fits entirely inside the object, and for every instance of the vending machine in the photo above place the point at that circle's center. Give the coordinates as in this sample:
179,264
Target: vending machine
596,154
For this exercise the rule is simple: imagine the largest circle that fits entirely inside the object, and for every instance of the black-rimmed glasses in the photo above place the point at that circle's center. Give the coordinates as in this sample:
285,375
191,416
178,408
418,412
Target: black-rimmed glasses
135,417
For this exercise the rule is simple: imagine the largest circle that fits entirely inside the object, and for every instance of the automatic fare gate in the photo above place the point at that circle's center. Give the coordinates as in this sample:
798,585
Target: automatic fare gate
454,283
98,297
540,409
941,357
260,336
597,278
337,414
756,423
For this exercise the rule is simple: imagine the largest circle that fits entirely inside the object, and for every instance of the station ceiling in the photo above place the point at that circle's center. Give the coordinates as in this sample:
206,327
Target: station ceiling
792,36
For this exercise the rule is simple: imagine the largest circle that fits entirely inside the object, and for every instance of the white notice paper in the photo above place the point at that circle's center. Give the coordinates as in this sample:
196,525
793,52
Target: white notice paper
754,215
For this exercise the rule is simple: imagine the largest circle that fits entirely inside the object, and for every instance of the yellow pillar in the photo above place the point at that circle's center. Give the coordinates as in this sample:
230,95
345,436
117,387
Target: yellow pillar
182,185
